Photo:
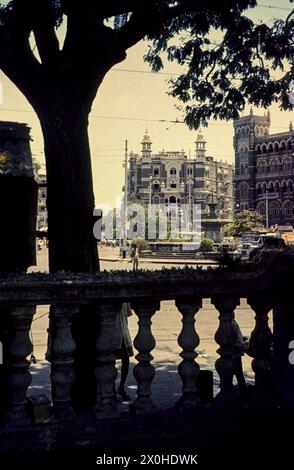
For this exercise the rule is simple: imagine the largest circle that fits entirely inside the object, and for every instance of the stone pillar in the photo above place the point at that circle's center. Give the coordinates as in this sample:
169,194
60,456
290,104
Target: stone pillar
144,371
188,340
107,343
261,345
225,336
19,377
60,355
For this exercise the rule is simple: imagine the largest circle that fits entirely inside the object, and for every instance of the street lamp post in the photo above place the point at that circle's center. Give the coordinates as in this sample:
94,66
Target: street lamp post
190,216
266,209
124,251
150,189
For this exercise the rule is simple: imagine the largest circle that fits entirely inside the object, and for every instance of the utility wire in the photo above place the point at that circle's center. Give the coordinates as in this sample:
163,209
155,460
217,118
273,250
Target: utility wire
126,118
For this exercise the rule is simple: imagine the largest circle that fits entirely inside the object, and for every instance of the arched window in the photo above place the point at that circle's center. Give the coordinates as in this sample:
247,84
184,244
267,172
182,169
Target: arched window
287,209
270,187
190,170
191,199
283,146
261,167
243,190
258,189
287,166
258,149
290,186
270,147
284,186
173,171
274,208
277,147
263,148
260,208
289,145
274,166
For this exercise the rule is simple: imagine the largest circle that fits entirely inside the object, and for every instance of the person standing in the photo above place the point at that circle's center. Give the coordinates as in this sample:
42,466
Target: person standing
125,350
134,256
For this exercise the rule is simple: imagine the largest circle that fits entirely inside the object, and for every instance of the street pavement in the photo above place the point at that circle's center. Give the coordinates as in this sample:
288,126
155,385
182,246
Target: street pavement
166,328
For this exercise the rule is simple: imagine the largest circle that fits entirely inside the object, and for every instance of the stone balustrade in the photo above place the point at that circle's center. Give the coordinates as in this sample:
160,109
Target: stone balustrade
263,285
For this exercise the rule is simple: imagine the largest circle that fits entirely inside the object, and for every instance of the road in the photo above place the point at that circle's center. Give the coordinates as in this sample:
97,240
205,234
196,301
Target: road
166,327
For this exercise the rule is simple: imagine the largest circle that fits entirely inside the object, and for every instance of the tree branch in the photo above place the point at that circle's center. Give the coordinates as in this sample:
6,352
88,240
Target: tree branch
16,57
150,20
43,23
88,35
109,8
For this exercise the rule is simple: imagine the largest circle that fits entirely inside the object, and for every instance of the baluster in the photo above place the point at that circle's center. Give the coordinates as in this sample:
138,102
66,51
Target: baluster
19,377
144,371
261,343
225,336
107,343
188,340
60,354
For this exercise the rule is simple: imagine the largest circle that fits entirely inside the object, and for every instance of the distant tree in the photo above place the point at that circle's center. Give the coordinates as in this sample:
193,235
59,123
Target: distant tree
206,245
61,82
244,222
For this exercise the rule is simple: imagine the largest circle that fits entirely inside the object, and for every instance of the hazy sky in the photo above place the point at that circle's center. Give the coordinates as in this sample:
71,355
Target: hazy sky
139,99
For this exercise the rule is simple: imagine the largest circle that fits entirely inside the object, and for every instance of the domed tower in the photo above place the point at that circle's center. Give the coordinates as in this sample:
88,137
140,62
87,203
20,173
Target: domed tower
146,145
200,146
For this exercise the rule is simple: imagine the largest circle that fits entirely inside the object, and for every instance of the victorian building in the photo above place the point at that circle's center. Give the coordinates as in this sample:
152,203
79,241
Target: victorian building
170,177
264,169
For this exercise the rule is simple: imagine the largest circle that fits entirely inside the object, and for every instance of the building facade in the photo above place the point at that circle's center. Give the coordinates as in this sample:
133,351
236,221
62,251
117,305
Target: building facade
264,165
170,177
41,179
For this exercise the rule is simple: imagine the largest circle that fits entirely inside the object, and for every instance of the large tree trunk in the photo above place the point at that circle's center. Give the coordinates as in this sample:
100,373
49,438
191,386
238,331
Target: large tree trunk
70,204
70,198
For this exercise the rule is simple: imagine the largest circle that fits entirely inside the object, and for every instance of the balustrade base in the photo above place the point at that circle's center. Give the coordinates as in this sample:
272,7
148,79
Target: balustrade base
141,407
187,403
106,410
19,416
63,413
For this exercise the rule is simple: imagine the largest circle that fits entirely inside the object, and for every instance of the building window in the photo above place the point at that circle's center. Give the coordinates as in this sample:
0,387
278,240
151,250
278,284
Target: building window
156,187
274,209
243,188
173,171
173,185
261,209
287,165
274,166
156,172
287,208
190,171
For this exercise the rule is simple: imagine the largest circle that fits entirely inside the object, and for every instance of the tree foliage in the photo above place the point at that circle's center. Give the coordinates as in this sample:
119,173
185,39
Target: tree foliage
244,221
249,60
206,245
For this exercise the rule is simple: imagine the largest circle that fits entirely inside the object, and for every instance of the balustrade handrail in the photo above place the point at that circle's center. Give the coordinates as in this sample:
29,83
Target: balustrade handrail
166,284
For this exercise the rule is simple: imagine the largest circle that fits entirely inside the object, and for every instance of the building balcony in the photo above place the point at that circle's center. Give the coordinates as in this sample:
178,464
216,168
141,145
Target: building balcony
57,423
242,176
275,195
